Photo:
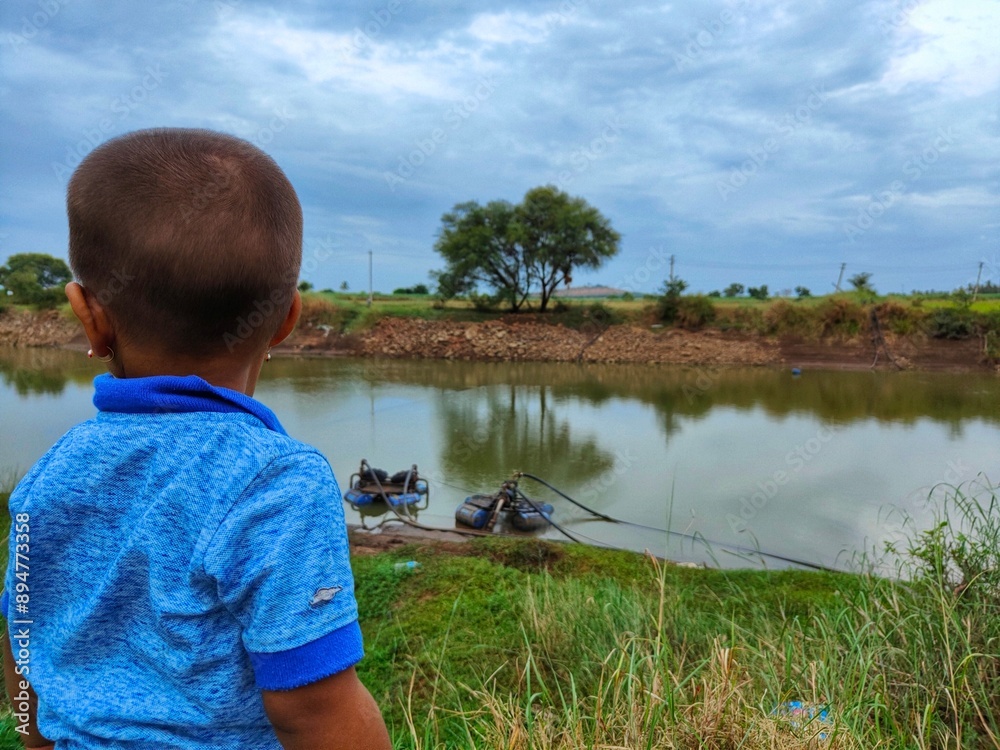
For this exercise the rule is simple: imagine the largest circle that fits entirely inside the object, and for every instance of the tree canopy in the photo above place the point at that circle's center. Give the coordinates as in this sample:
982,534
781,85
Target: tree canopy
862,282
35,278
518,250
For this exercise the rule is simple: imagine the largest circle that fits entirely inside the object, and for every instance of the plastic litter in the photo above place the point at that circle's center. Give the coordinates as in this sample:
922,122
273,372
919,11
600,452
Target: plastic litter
800,714
405,566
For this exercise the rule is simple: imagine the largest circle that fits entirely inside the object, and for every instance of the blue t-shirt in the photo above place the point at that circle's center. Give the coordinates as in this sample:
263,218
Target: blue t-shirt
179,553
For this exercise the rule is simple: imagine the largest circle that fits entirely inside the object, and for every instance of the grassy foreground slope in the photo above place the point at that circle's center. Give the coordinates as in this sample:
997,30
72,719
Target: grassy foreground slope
518,643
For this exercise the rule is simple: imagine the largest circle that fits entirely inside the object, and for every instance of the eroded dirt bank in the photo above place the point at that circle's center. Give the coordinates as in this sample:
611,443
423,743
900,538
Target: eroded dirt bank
531,340
48,328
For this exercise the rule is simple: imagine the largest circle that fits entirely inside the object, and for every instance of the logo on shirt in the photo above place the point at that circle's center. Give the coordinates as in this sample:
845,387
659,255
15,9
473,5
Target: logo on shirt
322,596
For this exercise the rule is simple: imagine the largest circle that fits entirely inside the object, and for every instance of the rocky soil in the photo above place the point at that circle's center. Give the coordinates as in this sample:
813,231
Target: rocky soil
48,328
531,340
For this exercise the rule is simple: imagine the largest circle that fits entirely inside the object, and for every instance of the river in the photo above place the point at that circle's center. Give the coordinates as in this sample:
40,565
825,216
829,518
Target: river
711,464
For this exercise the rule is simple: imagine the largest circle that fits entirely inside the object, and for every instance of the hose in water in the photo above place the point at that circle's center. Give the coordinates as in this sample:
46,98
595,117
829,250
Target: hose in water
693,537
538,510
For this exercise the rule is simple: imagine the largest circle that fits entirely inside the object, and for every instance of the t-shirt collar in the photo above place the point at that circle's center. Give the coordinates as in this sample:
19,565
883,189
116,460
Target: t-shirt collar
174,393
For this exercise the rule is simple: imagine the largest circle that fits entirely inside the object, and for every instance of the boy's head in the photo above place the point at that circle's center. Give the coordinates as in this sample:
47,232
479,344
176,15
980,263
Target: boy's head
190,240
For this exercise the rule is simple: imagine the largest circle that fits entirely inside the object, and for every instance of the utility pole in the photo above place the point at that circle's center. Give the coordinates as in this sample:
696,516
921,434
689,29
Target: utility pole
369,278
979,277
841,277
672,269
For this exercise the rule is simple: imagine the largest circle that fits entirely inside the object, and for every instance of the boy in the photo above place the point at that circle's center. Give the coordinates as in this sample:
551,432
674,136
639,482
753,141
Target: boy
179,573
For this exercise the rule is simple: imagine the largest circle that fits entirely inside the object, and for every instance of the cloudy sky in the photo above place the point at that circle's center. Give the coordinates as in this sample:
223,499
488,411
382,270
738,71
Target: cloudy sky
759,141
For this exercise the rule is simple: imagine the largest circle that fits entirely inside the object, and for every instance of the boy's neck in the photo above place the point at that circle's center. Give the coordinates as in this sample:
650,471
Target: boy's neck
225,372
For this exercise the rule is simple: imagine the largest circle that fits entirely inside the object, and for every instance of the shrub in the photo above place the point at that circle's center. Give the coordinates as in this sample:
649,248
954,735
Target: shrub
695,311
955,324
862,282
784,317
898,318
669,304
485,302
991,346
48,299
590,319
759,292
741,319
317,311
841,316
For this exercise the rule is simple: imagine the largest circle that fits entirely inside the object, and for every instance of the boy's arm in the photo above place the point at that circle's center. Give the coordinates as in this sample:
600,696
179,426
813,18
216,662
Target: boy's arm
19,691
334,713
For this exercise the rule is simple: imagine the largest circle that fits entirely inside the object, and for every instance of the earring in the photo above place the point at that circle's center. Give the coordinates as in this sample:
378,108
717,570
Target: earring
106,358
268,357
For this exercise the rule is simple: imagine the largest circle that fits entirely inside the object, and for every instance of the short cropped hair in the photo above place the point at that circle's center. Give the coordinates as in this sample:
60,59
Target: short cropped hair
191,239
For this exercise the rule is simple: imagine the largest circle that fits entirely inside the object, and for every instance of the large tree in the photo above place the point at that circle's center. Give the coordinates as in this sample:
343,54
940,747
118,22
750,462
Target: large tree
35,278
516,250
478,243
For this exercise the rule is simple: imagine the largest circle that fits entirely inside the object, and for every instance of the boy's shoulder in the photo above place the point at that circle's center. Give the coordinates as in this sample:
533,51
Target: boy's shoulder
234,443
230,450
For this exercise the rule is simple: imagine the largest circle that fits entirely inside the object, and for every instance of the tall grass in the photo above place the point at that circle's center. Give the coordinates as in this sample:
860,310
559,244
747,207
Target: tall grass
712,661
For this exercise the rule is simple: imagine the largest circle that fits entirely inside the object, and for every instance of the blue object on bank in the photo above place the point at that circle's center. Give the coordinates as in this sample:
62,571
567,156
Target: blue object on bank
802,714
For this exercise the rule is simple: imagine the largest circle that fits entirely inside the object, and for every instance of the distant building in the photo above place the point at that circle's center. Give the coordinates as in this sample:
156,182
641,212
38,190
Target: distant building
583,292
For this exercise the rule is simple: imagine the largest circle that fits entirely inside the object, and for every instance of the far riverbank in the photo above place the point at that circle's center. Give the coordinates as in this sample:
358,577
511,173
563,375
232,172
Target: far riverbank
528,339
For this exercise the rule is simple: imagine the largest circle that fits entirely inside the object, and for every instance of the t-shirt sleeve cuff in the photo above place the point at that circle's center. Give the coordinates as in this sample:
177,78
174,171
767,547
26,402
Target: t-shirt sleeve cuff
327,655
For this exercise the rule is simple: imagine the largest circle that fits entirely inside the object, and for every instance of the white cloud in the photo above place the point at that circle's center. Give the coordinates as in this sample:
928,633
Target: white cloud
509,28
959,197
957,52
352,61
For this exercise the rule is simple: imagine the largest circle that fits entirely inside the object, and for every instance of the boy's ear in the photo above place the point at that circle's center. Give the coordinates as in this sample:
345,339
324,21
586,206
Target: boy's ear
290,320
95,320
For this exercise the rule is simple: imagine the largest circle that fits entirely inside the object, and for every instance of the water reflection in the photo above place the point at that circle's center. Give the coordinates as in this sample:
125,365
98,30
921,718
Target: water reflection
691,393
515,427
44,371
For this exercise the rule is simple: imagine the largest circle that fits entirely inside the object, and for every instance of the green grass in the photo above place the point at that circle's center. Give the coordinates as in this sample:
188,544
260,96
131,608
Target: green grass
530,644
520,643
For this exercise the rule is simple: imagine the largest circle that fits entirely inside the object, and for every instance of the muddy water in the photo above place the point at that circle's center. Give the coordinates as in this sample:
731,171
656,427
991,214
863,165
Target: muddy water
706,463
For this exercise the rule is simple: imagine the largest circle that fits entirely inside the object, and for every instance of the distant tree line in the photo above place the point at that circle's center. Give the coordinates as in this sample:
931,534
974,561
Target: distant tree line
415,289
34,279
